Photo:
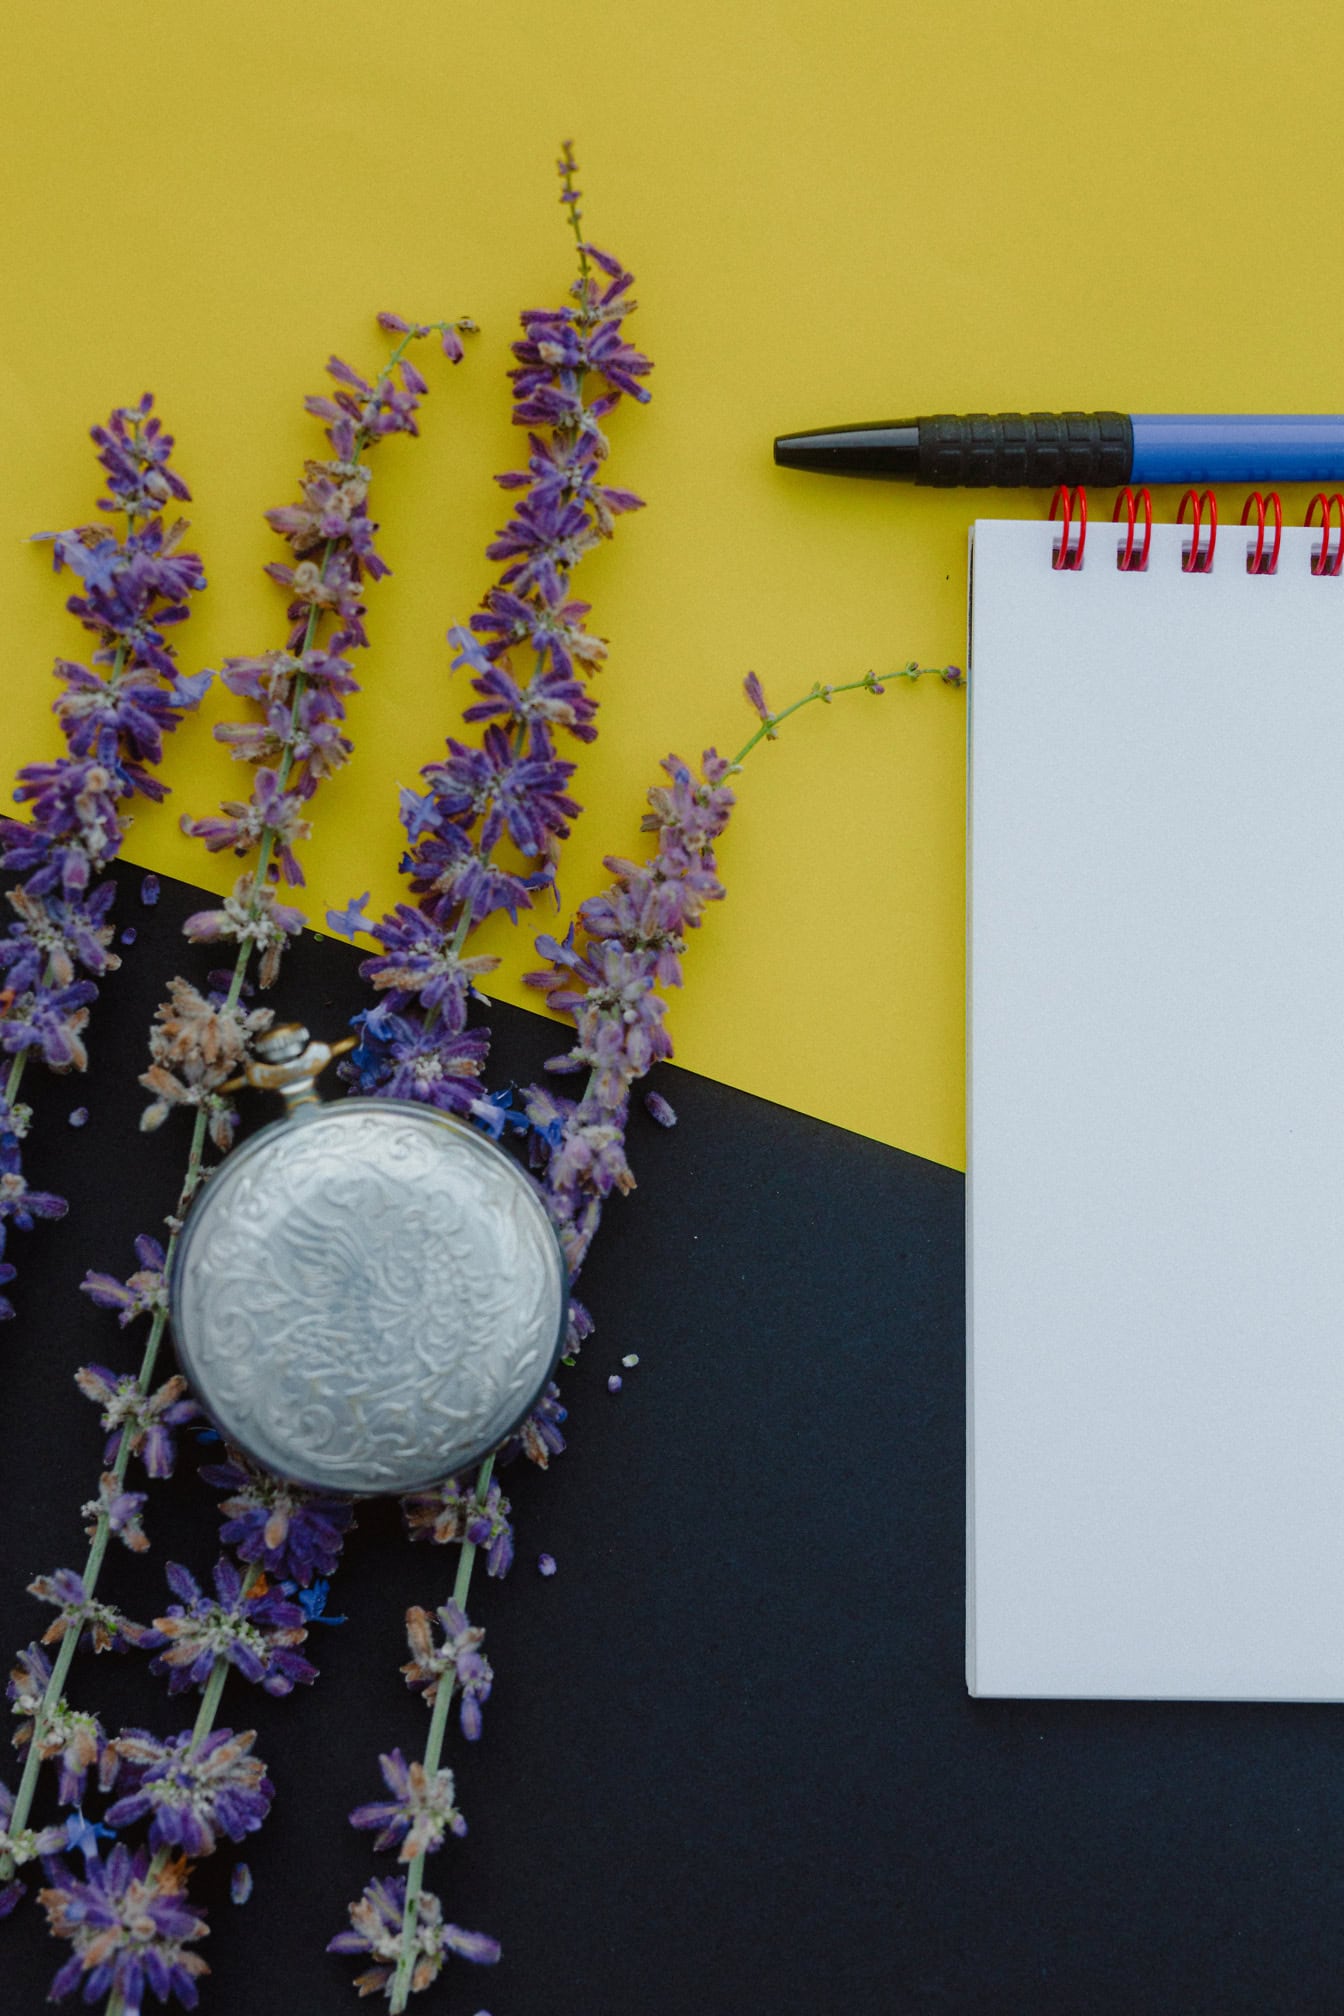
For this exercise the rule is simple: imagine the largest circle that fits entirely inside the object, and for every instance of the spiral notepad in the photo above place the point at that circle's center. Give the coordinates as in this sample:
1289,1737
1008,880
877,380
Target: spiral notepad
1155,1280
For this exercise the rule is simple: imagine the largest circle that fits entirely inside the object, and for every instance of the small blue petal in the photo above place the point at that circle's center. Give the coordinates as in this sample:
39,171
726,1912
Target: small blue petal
345,923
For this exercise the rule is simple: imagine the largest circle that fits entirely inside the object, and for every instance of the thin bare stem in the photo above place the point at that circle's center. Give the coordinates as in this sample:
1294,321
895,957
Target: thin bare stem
438,1725
871,682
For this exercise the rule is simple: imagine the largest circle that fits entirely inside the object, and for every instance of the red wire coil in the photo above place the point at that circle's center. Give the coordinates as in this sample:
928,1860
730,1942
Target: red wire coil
1321,562
1199,560
1256,562
1125,560
1072,501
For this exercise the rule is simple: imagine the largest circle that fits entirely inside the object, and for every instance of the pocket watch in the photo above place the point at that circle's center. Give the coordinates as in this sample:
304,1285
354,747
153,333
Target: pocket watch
368,1295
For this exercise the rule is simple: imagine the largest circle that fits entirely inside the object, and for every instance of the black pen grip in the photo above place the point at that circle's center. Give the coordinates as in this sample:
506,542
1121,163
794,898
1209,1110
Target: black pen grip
1005,450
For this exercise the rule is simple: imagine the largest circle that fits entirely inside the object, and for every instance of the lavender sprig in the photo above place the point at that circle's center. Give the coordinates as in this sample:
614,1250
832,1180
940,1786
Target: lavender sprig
630,943
114,713
579,1148
415,1044
198,1040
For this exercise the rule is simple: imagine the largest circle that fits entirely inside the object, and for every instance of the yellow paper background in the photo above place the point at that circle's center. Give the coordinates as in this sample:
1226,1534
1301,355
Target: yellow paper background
835,212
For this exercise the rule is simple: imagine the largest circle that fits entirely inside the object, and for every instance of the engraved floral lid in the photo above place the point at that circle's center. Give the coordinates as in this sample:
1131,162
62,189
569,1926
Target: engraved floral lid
369,1295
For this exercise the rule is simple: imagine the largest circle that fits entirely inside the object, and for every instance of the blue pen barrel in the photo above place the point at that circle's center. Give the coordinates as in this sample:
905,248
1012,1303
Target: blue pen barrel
1238,448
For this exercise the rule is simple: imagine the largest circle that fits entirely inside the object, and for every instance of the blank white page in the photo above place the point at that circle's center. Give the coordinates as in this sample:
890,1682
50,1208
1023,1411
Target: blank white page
1155,1249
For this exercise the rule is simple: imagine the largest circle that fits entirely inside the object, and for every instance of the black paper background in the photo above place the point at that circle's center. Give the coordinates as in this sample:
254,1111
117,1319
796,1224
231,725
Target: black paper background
729,1764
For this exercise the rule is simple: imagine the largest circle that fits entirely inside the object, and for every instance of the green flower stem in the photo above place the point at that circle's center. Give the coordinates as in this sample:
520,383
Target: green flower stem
210,1696
438,1725
870,683
575,215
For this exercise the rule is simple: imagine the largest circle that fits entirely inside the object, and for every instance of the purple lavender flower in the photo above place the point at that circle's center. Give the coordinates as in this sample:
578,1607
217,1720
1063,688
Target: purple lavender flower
539,1437
249,916
451,1512
141,1295
19,1204
572,368
376,1929
504,790
132,593
633,937
129,1927
256,1633
191,1791
755,693
134,451
458,1658
50,1020
288,1532
420,1814
100,1625
418,961
240,1883
302,689
24,1844
345,923
147,1418
120,1510
69,1737
404,1059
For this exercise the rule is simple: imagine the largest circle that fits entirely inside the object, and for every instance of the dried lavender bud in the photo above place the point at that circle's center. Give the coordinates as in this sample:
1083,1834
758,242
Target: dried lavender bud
420,1814
129,1927
254,1633
376,1922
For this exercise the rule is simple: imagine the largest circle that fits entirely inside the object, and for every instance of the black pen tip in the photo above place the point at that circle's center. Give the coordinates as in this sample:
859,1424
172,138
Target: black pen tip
889,448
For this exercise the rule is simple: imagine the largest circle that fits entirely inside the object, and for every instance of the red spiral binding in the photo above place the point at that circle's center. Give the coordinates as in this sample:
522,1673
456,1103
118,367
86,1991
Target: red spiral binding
1199,560
1125,561
1256,562
1321,562
1066,558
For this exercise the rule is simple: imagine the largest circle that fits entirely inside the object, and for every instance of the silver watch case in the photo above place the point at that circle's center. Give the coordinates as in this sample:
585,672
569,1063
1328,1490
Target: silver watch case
368,1297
